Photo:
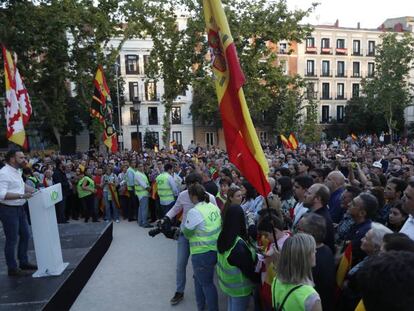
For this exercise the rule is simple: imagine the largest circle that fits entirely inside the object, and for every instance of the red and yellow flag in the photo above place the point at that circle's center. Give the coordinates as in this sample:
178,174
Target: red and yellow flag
242,143
18,107
285,141
343,268
293,141
101,108
354,137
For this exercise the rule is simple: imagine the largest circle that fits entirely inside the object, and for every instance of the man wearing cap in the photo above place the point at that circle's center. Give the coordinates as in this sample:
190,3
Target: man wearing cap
13,195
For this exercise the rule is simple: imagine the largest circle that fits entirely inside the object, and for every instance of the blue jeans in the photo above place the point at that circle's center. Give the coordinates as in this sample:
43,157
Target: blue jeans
238,303
205,290
183,253
14,220
143,211
109,204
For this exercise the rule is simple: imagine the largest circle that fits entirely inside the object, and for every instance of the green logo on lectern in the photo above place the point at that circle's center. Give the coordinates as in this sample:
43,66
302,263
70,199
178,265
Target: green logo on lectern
54,196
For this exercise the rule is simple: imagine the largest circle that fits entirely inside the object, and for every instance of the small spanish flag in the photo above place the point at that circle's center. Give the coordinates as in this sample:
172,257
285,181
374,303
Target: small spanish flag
293,141
354,137
285,142
343,268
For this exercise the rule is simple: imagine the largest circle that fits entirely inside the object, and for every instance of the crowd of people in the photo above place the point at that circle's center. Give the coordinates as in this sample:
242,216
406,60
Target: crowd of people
335,233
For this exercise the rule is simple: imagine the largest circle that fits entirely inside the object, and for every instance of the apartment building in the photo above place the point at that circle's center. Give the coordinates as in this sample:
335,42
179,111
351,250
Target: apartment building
333,60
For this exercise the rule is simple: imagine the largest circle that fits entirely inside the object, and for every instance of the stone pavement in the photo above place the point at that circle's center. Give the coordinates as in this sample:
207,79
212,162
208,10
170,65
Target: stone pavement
137,273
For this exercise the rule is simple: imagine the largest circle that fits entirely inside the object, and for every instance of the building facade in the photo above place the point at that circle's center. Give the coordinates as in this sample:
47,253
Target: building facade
333,60
143,110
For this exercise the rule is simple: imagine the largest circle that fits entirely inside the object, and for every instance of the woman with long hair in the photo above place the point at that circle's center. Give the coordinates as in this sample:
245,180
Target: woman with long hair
234,196
292,289
202,228
236,260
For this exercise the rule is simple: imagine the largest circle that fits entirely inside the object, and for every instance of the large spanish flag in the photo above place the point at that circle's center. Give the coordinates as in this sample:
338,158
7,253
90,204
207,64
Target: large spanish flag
242,143
18,106
344,266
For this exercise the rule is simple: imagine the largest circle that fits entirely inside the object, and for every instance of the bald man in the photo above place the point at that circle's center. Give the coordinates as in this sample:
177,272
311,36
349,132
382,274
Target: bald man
335,181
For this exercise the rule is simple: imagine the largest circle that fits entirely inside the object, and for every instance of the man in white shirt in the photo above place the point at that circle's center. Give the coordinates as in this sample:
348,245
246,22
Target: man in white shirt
13,195
408,207
182,205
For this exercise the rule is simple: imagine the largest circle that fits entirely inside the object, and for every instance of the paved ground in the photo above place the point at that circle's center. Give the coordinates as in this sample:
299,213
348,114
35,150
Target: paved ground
137,273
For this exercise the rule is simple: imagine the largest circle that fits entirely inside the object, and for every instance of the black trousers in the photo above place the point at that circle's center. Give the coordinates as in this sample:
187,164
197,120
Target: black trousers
133,205
88,205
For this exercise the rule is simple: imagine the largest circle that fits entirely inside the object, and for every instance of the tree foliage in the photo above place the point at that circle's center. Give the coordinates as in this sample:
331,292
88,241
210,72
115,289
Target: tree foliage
59,42
389,92
173,53
255,25
311,132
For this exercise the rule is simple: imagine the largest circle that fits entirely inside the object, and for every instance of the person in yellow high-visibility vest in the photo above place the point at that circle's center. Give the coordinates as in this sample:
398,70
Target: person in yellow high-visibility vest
142,188
167,189
202,228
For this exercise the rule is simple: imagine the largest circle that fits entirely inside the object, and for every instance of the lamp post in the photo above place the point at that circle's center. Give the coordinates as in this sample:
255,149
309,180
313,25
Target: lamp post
119,107
137,103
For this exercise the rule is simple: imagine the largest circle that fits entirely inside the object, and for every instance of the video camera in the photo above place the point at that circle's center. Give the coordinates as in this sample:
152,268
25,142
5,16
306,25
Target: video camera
164,226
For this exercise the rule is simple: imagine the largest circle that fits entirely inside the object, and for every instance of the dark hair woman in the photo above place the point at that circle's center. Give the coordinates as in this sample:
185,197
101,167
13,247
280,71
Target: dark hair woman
236,260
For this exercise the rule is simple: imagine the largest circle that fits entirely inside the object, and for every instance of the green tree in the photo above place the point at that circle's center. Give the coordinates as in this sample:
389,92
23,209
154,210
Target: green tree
310,131
255,24
388,93
59,42
173,52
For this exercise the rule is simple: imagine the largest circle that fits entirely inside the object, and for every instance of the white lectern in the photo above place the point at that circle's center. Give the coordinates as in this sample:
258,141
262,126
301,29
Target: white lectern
45,231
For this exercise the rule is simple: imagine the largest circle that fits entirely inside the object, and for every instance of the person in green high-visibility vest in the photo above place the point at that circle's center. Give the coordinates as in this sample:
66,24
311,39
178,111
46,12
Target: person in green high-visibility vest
236,260
86,193
167,189
201,228
292,288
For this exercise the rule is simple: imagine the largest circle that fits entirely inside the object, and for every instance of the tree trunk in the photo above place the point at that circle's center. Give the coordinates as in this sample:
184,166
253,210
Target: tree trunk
166,135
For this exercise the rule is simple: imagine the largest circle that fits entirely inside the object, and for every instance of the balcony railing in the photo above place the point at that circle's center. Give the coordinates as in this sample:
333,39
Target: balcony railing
326,96
326,73
326,50
371,53
340,74
356,75
341,51
359,52
310,73
340,97
311,49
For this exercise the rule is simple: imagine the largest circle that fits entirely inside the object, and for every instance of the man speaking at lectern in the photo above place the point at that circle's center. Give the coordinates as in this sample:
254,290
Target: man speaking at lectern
13,195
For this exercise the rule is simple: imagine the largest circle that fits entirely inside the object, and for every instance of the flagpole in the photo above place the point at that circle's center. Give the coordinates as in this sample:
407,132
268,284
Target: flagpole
119,107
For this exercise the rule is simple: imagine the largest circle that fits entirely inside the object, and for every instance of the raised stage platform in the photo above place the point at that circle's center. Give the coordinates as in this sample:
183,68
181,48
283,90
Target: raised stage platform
83,246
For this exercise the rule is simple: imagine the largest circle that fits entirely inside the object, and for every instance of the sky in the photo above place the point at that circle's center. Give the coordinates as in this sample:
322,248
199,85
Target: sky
370,13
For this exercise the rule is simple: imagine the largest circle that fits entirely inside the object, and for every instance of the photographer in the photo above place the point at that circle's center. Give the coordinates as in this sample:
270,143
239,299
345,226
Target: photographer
183,205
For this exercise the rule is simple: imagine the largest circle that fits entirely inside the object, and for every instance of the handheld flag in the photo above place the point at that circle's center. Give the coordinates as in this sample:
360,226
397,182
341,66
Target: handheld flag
242,143
354,137
344,266
285,142
18,106
101,108
293,141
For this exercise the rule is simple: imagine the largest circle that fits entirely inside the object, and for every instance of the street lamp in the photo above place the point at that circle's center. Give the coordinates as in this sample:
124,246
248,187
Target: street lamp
137,103
117,66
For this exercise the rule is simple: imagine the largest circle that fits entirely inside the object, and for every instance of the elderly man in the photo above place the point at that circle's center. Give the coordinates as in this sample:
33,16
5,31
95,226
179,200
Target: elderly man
335,181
